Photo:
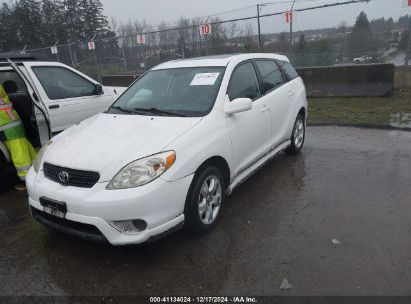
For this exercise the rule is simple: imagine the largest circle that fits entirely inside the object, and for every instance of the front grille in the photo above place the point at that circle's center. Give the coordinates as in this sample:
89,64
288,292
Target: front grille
73,177
75,228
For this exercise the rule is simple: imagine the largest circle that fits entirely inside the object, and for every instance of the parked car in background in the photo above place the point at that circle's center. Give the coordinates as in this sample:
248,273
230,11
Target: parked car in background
363,59
170,149
49,98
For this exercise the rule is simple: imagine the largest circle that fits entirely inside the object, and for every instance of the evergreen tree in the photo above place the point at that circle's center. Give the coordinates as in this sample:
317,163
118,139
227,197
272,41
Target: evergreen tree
8,38
27,25
360,41
301,52
52,26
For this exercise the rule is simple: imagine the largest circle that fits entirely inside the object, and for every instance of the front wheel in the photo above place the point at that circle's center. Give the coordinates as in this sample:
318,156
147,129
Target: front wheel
204,201
298,136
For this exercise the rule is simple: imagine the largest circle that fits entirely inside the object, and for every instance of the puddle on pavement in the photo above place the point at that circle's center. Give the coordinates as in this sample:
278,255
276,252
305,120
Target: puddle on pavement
401,120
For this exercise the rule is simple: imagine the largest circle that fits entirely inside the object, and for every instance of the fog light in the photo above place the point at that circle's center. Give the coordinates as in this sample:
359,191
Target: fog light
130,227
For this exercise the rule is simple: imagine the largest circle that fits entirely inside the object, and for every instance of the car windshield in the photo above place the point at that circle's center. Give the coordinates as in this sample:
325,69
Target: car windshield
172,92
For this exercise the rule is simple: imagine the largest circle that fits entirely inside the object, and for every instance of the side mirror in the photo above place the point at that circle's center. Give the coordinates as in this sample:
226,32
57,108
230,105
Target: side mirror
99,89
238,105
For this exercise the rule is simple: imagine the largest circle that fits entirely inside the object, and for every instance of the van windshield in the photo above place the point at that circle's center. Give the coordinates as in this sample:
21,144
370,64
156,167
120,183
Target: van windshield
172,92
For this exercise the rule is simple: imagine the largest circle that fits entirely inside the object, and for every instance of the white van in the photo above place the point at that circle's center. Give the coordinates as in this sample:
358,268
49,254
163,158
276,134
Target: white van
49,98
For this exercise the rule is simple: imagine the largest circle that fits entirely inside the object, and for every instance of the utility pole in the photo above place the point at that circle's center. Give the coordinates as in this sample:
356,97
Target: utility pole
57,53
259,6
291,27
124,53
71,55
259,27
206,38
407,54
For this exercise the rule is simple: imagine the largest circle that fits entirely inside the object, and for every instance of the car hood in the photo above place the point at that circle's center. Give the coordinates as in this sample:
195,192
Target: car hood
106,143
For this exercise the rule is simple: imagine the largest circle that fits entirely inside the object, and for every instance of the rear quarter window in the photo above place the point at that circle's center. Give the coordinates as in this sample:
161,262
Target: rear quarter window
288,70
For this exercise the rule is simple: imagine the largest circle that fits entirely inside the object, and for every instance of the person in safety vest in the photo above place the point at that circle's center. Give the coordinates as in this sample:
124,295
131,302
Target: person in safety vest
13,135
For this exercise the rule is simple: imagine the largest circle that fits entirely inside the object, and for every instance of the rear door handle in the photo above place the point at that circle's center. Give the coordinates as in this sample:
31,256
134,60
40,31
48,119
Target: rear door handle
54,106
291,94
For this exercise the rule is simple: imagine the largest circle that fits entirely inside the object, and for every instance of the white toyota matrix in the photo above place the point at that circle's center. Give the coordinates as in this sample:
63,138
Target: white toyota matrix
170,149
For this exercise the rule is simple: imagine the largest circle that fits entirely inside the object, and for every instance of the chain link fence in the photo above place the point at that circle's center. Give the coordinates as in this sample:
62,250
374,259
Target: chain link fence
316,33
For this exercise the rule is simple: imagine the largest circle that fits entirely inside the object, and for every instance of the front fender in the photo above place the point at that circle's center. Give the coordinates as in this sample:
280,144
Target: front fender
207,139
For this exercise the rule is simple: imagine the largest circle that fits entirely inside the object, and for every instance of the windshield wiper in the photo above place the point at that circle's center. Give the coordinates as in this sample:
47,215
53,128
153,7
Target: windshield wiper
158,111
128,111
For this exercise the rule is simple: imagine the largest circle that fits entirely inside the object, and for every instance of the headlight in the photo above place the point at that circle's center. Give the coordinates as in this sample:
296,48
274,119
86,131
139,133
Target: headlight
142,171
39,158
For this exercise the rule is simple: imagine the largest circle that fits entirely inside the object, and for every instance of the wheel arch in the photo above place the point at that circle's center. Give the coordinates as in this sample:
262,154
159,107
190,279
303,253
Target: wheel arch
303,112
220,163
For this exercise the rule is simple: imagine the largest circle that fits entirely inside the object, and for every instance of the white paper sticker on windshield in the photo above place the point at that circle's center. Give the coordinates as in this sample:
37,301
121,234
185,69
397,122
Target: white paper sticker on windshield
201,79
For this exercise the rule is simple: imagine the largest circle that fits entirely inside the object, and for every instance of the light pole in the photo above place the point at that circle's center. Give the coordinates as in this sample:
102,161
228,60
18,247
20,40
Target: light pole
259,25
291,25
206,38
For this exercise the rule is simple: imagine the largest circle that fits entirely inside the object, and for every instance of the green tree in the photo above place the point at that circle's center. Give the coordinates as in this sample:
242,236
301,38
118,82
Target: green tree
361,37
52,27
27,27
8,39
301,52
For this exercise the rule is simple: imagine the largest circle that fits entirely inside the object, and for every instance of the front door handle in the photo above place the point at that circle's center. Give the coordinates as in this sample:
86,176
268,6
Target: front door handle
54,106
265,108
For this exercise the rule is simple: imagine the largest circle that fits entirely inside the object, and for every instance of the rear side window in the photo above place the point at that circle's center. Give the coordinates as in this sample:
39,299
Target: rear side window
61,83
288,70
271,76
244,83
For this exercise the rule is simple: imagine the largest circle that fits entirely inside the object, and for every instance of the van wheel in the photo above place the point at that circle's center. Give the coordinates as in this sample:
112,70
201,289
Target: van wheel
204,201
298,136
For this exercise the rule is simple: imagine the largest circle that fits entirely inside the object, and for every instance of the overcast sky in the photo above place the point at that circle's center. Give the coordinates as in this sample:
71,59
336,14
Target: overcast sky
154,11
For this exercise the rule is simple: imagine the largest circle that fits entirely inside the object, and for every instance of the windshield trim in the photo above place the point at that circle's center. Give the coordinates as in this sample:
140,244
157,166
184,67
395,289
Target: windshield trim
190,114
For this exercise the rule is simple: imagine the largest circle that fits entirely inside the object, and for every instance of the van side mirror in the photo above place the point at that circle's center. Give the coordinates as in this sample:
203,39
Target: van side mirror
238,105
99,89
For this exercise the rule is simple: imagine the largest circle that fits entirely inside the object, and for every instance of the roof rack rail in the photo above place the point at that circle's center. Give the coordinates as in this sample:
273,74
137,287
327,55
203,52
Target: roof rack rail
23,57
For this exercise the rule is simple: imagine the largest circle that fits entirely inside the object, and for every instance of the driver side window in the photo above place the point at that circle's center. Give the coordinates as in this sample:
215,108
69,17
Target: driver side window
61,83
244,83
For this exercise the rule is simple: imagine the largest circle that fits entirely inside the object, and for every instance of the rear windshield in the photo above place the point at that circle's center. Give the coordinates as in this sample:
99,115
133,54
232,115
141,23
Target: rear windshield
183,91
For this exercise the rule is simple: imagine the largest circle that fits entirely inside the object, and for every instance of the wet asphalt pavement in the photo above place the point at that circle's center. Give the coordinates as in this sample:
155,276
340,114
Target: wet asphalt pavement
335,220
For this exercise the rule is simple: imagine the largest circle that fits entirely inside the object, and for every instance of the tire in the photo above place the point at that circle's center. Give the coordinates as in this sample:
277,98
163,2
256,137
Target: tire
297,136
204,201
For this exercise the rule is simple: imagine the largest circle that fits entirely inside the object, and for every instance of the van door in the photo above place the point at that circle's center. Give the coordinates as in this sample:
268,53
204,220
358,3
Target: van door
70,96
40,111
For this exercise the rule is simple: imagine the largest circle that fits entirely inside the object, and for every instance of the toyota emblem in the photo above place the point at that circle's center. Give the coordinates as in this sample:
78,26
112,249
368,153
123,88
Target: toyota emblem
63,176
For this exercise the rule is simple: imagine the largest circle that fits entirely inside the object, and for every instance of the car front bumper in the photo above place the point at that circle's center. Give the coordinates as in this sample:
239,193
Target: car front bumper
160,204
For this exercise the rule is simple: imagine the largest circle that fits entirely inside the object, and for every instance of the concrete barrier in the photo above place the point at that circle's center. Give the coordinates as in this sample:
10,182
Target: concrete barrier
118,80
345,81
349,81
402,78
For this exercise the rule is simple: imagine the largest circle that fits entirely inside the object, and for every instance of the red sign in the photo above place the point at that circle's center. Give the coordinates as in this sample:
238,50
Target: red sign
141,39
91,45
289,16
406,3
205,29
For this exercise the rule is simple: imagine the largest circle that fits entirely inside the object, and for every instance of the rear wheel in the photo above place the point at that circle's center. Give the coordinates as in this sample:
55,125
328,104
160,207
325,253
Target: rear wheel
204,201
298,135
